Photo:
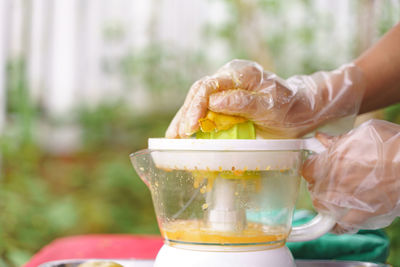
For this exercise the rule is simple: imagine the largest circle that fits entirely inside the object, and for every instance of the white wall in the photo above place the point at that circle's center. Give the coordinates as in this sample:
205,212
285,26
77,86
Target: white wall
4,6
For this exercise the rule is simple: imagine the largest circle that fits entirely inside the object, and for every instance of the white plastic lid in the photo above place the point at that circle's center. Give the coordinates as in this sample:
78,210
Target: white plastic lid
225,144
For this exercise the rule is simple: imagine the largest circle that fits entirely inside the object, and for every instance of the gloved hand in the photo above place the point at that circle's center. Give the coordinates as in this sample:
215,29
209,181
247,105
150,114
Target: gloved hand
279,108
357,178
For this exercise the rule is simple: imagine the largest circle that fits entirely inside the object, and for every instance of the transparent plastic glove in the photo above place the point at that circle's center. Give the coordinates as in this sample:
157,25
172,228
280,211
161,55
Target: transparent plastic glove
279,108
357,179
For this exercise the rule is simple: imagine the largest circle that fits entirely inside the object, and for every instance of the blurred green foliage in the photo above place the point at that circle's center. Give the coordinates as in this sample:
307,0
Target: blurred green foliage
392,113
94,190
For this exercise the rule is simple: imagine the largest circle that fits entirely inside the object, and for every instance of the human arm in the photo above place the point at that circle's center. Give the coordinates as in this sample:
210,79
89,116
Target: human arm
381,67
279,108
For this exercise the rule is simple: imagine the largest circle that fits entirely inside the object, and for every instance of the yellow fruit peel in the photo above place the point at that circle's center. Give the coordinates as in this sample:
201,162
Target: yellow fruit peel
219,122
245,130
221,126
207,125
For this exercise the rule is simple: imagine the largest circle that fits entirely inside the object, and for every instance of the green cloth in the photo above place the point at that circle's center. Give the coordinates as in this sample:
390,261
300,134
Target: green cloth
366,245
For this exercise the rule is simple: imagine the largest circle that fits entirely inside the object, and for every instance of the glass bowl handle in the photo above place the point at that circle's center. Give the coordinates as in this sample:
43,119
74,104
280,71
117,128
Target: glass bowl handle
320,224
317,227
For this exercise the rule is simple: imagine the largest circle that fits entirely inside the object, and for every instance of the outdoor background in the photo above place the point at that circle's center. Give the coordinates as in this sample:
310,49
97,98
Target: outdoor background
83,83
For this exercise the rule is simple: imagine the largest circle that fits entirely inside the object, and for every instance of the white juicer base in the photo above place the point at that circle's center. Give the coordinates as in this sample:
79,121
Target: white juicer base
177,257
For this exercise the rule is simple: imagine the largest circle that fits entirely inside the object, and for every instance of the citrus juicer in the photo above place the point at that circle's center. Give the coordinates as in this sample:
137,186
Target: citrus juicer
227,202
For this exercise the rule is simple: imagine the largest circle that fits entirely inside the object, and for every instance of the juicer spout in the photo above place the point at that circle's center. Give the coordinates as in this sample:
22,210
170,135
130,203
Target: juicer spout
141,163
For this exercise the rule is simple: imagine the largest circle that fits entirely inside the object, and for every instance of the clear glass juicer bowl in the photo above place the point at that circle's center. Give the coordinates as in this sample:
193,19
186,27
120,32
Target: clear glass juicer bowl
223,197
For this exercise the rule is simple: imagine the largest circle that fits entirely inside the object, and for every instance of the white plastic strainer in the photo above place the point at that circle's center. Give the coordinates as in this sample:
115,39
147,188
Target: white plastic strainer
226,144
223,155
